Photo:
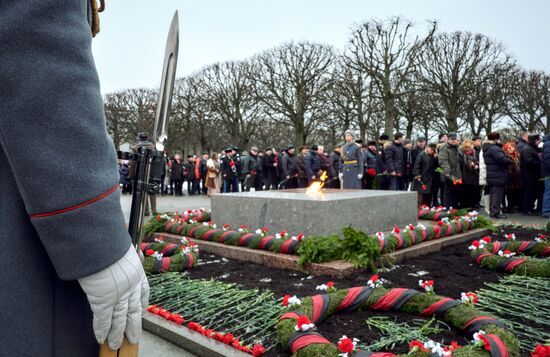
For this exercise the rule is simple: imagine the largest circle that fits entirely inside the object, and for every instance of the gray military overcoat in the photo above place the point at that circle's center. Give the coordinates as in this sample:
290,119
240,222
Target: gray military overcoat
60,216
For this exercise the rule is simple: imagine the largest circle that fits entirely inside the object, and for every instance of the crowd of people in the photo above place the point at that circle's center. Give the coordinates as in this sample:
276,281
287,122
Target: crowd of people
451,172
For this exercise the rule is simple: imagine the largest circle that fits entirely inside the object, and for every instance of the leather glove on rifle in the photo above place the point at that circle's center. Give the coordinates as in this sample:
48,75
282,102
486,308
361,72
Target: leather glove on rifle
118,295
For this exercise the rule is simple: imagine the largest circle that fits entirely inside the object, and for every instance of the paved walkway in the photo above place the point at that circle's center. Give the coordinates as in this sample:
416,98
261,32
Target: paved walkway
152,345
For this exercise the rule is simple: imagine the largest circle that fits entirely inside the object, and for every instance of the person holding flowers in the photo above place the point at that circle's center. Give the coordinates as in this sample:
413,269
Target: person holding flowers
423,173
470,175
449,160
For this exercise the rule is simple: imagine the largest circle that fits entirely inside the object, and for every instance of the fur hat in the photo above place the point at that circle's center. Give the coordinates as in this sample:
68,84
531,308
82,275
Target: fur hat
493,136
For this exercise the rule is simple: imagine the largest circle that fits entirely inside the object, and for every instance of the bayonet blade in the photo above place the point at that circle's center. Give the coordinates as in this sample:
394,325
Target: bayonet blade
160,134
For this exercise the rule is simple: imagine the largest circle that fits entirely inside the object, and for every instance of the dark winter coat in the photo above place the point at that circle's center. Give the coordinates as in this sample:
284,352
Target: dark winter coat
177,170
380,160
470,167
289,165
449,159
497,164
530,164
229,167
312,161
124,174
269,169
60,221
546,156
370,162
334,165
424,167
190,168
514,175
393,153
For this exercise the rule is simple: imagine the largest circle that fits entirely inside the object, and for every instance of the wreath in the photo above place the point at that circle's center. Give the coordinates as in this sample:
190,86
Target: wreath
432,214
518,257
296,329
160,257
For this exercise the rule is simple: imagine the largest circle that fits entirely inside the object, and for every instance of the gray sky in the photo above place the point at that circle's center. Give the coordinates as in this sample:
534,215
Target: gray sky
130,48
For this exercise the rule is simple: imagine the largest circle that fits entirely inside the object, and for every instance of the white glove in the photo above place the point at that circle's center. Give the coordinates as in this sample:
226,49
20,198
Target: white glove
118,295
341,175
360,176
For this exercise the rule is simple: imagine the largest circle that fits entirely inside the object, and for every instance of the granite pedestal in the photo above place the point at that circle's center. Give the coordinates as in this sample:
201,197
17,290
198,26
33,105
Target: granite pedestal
367,210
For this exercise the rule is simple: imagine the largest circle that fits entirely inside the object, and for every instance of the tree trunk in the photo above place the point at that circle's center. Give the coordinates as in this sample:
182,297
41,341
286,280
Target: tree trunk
389,119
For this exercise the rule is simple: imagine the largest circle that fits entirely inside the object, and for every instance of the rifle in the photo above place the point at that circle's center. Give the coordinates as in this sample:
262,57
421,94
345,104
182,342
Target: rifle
149,158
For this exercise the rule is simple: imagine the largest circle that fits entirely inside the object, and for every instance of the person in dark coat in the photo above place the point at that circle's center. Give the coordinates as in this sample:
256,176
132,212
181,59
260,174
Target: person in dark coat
438,190
545,172
530,168
253,169
124,177
408,164
204,172
370,165
513,191
469,190
68,267
177,172
497,173
393,153
289,168
522,141
382,177
229,170
312,162
270,169
334,167
351,163
424,173
191,177
418,148
449,160
302,170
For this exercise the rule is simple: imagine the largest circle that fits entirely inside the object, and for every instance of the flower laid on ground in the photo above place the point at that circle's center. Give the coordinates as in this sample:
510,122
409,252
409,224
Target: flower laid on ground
440,223
184,241
262,231
469,298
396,230
303,324
290,301
427,285
328,287
210,224
347,345
380,235
506,253
149,252
299,237
454,345
243,228
282,234
421,226
480,340
226,227
417,346
411,227
486,240
159,239
374,281
541,351
541,238
510,236
436,349
155,255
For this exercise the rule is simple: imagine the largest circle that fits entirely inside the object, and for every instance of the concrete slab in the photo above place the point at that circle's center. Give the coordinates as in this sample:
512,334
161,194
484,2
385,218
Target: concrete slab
152,345
294,210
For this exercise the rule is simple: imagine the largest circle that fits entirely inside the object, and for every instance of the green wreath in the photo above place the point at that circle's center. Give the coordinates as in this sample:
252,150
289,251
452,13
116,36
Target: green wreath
162,257
503,256
458,315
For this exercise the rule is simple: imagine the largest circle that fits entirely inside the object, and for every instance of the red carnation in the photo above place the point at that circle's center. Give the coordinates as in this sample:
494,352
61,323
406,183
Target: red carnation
236,343
476,243
424,187
167,315
226,226
158,217
374,279
245,349
258,350
396,230
330,284
285,299
228,338
208,333
472,297
507,251
455,345
440,223
418,345
300,236
345,345
486,343
541,351
193,326
218,336
486,239
243,226
436,229
265,230
283,233
302,320
149,252
231,163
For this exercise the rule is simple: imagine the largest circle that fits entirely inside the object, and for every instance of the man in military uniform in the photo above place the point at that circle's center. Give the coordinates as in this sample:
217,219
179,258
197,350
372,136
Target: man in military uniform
351,163
69,270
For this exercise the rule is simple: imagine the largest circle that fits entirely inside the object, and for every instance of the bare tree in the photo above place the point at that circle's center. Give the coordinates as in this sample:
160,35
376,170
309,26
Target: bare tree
452,65
387,52
292,79
117,117
230,90
528,103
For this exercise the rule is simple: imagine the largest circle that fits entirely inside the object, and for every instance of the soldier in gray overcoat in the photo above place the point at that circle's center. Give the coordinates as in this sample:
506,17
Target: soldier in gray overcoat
351,163
66,255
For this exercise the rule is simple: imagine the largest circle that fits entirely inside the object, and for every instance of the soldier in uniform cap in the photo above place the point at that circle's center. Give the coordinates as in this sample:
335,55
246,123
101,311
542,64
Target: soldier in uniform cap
230,173
351,163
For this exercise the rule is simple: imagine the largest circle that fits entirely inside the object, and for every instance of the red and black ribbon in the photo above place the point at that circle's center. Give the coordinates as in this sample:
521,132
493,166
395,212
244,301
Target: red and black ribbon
373,354
354,298
320,307
291,315
475,324
209,236
300,339
399,240
289,246
245,240
480,256
545,252
498,348
440,307
266,243
393,299
508,264
228,235
525,246
498,246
